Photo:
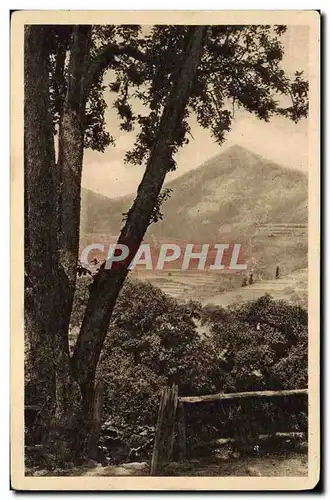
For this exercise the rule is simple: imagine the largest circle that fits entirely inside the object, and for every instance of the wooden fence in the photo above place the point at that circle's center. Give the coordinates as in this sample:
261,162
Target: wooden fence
171,413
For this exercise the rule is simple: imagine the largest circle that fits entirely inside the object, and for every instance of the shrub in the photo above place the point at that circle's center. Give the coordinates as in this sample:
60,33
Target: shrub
263,346
152,342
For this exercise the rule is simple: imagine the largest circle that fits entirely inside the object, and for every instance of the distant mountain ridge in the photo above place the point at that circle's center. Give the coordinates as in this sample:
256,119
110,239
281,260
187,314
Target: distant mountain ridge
236,196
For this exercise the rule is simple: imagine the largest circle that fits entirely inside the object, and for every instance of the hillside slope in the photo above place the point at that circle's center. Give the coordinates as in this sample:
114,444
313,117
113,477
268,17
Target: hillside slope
292,288
237,196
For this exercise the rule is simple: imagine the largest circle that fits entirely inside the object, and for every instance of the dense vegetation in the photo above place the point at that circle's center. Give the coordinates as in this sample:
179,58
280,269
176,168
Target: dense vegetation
174,72
155,341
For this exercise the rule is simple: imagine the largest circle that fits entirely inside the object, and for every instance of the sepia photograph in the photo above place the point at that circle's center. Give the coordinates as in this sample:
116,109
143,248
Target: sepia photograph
165,250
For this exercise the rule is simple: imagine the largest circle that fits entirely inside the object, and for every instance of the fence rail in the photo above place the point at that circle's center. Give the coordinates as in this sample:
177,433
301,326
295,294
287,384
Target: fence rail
171,413
242,395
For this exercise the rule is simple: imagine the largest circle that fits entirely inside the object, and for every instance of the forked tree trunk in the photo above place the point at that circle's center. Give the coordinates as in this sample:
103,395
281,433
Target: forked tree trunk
45,297
53,246
70,161
108,283
52,219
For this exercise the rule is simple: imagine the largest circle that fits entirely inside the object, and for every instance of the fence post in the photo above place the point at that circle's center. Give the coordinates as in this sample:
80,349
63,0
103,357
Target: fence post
164,437
173,403
156,450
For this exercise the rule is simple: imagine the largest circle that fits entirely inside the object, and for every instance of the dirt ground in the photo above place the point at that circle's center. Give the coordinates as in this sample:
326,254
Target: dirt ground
270,465
292,464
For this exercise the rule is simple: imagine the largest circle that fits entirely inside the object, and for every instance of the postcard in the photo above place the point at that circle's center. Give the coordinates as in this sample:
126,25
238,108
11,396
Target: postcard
165,217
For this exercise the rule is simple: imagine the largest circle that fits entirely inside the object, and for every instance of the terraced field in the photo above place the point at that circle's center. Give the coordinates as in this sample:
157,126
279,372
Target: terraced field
212,288
194,285
272,230
292,288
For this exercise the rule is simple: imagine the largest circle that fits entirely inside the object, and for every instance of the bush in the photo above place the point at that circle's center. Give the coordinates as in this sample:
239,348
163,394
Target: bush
263,346
154,341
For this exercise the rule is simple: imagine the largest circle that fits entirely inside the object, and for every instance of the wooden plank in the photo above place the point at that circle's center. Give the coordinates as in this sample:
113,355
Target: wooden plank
242,395
166,433
157,442
182,446
164,437
172,418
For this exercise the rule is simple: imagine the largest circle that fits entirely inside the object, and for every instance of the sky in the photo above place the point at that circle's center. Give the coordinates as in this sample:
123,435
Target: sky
280,140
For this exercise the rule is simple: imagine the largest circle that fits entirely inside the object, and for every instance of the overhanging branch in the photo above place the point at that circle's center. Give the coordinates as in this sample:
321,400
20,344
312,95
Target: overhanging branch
105,58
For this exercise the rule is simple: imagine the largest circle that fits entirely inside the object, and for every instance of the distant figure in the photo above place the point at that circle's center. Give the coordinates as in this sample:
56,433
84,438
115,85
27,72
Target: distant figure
277,273
251,281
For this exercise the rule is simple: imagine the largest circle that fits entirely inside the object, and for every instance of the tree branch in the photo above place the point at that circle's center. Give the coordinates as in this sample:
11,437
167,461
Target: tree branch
108,283
105,58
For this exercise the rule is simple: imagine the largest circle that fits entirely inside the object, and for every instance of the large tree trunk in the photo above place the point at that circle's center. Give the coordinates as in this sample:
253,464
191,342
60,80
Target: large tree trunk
45,297
40,220
108,283
70,160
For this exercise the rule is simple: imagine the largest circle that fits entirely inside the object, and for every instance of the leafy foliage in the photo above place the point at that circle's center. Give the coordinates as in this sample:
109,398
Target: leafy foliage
240,67
154,341
263,344
158,333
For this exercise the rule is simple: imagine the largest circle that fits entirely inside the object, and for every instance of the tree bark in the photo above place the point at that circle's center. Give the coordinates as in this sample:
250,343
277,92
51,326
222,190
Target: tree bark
44,295
40,220
108,283
70,160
